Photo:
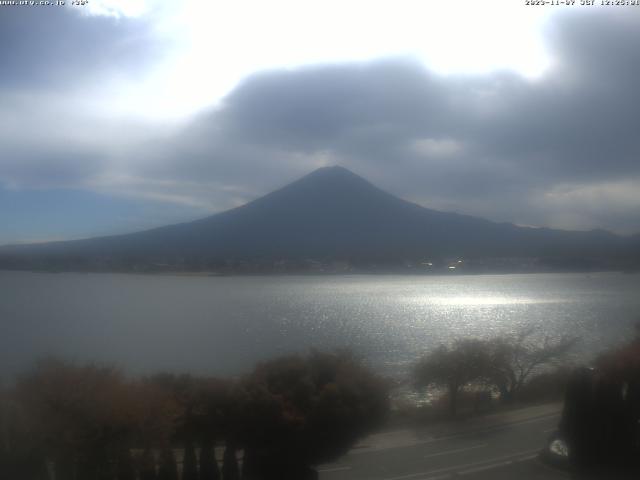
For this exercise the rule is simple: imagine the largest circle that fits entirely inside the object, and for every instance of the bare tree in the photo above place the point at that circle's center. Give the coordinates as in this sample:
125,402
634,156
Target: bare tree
514,360
453,368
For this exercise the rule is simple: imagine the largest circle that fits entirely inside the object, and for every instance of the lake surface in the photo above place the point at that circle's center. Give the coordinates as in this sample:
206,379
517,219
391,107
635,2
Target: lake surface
223,325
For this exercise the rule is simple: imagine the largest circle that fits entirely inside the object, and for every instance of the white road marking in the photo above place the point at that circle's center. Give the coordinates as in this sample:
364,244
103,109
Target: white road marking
490,463
503,426
334,469
496,465
448,452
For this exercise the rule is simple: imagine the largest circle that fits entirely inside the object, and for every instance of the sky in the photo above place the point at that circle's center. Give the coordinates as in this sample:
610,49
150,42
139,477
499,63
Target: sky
121,115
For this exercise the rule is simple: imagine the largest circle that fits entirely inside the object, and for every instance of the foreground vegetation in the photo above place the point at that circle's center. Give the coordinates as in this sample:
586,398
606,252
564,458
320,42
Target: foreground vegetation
601,418
65,421
90,422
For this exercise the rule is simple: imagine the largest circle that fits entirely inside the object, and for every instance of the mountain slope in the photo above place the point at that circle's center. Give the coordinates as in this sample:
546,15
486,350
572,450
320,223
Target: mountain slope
331,214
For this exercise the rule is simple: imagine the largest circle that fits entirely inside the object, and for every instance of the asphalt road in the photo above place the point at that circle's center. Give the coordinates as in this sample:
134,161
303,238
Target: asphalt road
507,449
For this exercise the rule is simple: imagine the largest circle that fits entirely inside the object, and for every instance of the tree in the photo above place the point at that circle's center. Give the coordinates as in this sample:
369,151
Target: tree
21,455
147,465
230,470
181,393
453,368
155,414
168,469
189,463
208,464
82,415
297,412
601,415
514,360
125,468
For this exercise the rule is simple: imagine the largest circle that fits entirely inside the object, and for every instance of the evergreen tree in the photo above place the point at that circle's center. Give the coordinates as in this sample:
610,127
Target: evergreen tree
26,466
168,469
63,467
230,470
208,464
147,466
189,463
125,469
250,466
87,467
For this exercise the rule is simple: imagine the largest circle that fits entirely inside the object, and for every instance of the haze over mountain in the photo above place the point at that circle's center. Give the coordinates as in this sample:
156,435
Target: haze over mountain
330,214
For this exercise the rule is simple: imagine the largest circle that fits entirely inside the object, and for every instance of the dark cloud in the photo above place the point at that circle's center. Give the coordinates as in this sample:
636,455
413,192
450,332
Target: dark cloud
59,47
321,107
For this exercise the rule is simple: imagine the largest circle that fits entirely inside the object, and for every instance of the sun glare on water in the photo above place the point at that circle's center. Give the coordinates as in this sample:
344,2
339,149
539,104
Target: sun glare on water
464,301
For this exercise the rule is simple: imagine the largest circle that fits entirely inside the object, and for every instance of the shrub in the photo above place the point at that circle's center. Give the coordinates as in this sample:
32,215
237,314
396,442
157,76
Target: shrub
301,411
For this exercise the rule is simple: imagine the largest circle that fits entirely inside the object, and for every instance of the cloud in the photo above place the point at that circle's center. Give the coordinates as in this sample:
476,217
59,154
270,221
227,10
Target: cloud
57,129
119,8
433,148
61,50
499,139
615,203
559,150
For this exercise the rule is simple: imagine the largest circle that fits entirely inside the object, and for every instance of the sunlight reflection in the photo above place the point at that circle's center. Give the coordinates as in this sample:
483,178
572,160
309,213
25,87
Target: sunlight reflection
480,300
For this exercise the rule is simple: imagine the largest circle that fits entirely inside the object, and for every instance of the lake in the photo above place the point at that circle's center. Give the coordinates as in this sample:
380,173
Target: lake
223,325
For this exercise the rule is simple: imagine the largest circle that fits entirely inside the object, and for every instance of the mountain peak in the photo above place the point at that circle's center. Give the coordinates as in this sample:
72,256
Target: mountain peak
333,172
325,185
327,191
334,177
